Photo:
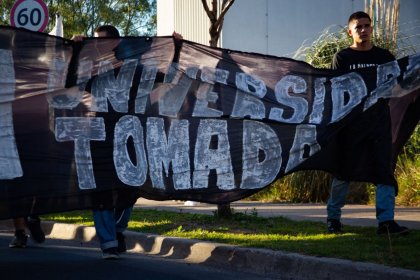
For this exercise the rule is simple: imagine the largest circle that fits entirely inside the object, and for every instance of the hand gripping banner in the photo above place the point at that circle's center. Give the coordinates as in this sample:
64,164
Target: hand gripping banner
98,123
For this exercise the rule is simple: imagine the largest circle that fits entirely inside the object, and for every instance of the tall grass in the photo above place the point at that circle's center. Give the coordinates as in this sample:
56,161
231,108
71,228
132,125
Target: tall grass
311,187
319,54
302,186
408,171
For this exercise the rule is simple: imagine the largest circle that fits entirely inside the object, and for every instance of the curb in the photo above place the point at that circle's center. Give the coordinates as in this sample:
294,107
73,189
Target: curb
274,264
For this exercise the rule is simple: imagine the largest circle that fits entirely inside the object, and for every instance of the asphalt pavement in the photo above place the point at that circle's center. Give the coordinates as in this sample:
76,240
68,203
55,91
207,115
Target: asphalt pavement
355,215
271,264
68,260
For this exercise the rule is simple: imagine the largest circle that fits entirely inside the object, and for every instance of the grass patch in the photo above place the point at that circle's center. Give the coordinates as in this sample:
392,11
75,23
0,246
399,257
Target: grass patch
276,233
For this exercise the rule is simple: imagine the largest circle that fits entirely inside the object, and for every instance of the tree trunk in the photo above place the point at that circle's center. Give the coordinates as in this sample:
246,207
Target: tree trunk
216,23
224,211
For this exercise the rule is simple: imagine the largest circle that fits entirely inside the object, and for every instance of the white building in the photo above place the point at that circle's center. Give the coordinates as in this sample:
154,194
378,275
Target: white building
275,27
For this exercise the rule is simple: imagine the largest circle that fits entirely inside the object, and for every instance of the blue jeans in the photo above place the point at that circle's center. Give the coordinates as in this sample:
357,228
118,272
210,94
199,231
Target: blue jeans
108,223
385,200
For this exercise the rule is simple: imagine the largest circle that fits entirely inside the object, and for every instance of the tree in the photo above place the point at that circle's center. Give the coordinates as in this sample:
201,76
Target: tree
131,17
216,21
216,25
5,7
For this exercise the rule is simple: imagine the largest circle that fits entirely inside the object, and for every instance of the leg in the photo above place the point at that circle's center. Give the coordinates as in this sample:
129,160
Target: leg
385,203
34,225
19,224
385,209
122,216
20,239
105,228
337,198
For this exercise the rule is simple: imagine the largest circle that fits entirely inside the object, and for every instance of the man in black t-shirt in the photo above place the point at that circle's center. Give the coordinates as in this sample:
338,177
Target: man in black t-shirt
360,55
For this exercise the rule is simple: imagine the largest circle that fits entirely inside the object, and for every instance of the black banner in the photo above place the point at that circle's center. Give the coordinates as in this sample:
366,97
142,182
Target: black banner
99,123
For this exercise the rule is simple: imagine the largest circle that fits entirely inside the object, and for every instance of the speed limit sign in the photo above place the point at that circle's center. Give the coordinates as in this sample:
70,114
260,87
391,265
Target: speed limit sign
29,14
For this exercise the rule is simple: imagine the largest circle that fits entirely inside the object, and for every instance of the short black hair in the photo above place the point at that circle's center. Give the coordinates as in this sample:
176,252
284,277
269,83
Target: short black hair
359,15
109,30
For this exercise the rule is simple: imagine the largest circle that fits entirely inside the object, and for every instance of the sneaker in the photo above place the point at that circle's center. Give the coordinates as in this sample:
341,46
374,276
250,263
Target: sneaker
110,254
122,247
391,227
334,226
19,240
34,226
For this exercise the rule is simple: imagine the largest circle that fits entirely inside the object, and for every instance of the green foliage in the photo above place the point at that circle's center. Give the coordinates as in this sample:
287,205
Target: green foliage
408,182
309,187
81,17
407,171
319,54
411,150
5,7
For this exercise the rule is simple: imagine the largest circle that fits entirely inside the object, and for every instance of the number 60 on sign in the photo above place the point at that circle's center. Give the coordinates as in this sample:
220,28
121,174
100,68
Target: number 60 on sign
29,14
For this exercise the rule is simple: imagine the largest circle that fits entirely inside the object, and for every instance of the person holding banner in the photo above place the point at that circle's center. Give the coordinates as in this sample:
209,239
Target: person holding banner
23,221
33,223
110,224
362,54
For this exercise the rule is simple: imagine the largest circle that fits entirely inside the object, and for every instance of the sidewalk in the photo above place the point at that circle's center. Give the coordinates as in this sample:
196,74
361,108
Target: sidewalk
355,215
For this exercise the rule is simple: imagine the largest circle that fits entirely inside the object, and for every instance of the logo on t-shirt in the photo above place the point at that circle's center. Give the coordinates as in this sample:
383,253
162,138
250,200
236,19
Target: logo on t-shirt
362,65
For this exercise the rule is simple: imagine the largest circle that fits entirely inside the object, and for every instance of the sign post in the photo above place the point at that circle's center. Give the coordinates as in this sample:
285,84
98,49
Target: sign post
29,14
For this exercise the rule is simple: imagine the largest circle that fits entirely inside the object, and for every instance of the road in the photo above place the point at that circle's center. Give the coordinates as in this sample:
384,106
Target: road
354,215
66,259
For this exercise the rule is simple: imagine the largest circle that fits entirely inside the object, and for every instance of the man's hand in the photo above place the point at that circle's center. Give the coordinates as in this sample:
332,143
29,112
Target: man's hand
177,36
